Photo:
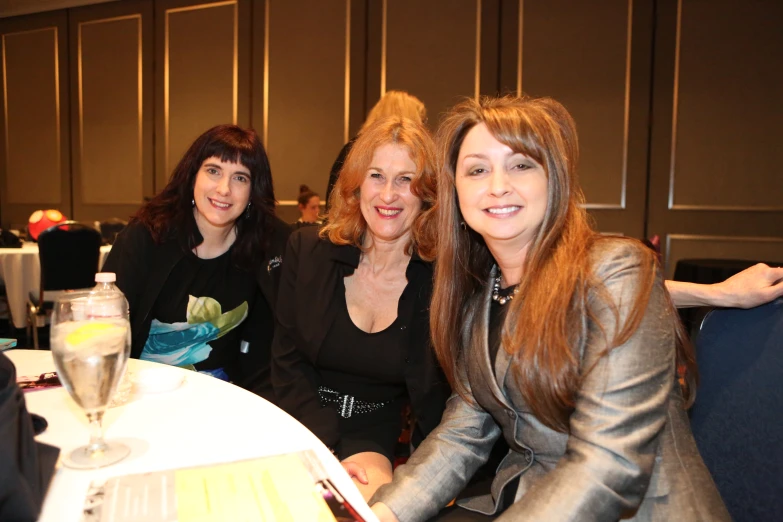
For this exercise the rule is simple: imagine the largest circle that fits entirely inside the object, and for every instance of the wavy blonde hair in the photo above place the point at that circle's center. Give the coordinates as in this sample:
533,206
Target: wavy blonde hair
398,104
346,224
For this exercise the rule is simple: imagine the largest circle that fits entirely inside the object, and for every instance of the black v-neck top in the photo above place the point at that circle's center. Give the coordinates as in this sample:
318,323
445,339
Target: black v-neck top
369,366
497,315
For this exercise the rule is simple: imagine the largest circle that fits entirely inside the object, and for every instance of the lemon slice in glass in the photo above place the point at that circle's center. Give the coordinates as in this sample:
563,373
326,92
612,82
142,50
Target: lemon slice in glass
90,331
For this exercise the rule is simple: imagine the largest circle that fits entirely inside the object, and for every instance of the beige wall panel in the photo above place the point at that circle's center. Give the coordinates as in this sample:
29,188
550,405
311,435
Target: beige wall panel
577,53
727,152
31,83
682,246
201,75
306,126
111,149
431,50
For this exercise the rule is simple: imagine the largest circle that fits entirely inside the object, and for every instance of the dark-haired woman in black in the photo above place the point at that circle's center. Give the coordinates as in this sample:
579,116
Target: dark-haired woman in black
202,256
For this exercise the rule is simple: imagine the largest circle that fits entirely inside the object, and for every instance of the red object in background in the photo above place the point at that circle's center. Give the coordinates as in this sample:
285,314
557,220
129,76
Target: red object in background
40,220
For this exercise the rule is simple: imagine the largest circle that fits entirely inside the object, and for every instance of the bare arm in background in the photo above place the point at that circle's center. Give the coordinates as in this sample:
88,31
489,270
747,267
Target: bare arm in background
753,286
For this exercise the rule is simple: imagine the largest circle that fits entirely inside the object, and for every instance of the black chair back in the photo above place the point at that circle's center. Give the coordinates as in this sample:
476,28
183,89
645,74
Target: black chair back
737,419
69,254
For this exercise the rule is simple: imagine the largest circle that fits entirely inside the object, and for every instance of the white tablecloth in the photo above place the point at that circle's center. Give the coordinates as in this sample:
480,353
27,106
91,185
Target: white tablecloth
20,271
205,421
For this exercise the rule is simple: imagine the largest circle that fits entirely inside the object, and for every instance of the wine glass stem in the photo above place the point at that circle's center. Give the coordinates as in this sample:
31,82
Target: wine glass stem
96,431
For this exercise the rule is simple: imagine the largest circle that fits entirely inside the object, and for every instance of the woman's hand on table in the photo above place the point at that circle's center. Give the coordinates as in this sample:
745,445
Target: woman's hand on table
383,513
355,471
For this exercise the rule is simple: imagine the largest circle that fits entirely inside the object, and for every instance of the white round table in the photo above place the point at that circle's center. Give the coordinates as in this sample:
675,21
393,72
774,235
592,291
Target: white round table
20,271
204,421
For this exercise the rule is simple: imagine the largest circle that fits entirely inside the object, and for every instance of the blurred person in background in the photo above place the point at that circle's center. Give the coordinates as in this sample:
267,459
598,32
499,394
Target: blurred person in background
309,208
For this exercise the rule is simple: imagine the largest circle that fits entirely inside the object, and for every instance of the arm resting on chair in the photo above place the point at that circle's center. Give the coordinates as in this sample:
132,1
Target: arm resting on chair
752,287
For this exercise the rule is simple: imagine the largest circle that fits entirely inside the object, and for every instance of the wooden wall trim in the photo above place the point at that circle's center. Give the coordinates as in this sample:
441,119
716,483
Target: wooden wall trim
520,48
166,79
672,205
266,74
50,32
58,108
80,83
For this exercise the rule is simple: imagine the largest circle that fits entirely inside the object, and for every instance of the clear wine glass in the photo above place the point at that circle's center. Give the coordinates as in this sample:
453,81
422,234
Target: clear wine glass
90,342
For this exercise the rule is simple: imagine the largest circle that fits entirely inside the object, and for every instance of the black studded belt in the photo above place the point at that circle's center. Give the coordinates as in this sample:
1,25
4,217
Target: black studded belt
348,405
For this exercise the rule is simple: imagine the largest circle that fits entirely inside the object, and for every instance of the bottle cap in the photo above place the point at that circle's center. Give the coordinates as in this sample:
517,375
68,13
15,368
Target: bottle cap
105,277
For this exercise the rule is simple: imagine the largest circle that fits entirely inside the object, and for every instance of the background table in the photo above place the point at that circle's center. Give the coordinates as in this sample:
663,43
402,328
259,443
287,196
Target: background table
20,270
205,421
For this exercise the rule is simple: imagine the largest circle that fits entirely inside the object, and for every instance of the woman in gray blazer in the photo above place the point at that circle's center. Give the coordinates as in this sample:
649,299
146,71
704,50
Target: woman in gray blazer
559,339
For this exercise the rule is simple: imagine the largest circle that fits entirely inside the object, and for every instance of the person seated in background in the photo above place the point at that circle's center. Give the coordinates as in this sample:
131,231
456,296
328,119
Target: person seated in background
567,343
201,256
309,207
398,104
351,345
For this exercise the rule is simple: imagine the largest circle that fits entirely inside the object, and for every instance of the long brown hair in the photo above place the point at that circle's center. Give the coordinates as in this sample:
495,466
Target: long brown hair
540,331
346,225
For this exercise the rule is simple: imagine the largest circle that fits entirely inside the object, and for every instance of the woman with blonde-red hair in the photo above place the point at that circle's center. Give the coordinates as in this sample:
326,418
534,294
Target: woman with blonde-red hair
393,104
351,345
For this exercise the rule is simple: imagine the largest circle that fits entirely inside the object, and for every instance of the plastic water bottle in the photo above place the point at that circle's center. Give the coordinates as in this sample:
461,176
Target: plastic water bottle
106,282
110,305
105,288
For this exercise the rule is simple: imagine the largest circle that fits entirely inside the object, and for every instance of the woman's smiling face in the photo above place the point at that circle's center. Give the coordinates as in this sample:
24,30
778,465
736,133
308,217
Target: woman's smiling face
386,201
502,194
221,192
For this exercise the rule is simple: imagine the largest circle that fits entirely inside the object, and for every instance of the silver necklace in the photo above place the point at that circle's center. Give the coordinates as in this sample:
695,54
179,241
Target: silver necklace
502,299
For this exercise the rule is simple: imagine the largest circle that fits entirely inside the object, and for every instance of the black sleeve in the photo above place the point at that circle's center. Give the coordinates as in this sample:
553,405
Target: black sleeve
336,167
127,259
255,359
294,377
26,466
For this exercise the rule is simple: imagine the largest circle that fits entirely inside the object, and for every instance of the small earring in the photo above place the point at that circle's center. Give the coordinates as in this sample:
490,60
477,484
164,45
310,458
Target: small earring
247,211
463,225
193,202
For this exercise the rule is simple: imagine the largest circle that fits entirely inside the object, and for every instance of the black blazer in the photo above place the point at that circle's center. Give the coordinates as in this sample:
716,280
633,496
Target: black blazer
142,267
313,272
26,466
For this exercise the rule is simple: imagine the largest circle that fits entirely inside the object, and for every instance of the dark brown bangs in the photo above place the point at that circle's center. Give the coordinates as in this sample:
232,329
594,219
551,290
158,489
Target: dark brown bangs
519,137
230,149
